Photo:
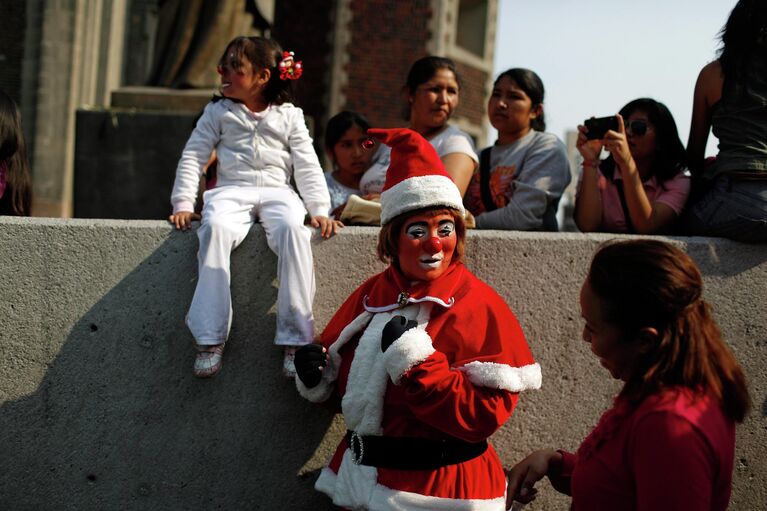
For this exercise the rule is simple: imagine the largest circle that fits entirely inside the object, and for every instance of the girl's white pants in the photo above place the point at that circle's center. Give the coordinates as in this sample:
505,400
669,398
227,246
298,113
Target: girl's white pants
227,217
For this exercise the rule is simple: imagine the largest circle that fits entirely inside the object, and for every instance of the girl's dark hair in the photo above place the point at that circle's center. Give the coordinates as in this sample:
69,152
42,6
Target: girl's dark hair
388,236
340,124
744,37
532,85
670,155
17,199
424,70
650,283
262,53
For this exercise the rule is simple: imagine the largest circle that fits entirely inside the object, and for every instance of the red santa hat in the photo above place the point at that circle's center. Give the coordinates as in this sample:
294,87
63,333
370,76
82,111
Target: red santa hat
416,177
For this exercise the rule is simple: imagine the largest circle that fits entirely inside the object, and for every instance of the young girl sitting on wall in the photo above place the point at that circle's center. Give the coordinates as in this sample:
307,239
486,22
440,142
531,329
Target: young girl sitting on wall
261,141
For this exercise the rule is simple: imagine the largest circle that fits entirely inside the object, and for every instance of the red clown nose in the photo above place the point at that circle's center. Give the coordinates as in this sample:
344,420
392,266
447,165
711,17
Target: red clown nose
432,245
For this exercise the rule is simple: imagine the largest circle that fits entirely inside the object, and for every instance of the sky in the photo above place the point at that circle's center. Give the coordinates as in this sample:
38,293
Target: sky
595,56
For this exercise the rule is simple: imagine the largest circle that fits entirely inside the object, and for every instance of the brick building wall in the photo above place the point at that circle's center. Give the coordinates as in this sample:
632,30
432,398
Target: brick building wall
473,93
386,38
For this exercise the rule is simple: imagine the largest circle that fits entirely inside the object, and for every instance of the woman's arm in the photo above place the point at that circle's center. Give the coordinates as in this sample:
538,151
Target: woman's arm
708,91
646,217
588,198
556,465
460,167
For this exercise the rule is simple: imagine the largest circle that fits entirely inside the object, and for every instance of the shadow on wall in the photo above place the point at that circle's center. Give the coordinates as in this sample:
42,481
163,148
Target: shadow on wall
160,439
723,258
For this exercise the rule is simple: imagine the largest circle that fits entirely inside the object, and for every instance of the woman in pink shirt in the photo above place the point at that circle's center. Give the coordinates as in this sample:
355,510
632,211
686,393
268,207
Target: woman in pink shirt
643,185
668,442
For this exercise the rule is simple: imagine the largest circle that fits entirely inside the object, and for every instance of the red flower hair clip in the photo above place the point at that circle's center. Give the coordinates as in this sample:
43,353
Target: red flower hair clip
289,68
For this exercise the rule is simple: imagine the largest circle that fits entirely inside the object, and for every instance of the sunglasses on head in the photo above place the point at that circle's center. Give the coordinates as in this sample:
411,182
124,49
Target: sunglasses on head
637,128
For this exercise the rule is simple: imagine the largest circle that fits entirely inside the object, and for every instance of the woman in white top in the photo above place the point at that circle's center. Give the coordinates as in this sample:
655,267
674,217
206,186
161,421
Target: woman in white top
432,92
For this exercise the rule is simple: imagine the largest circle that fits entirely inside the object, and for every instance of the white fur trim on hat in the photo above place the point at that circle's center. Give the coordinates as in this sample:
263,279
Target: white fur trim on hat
420,192
413,347
502,376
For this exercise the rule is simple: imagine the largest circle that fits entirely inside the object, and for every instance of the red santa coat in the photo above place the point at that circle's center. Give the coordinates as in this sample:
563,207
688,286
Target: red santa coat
457,374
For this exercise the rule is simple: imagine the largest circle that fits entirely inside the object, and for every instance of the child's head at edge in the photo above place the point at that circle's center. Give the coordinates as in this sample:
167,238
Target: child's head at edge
341,136
257,55
17,198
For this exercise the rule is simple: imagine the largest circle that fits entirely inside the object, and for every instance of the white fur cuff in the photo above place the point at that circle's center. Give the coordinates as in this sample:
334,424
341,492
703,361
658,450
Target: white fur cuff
412,348
502,376
318,394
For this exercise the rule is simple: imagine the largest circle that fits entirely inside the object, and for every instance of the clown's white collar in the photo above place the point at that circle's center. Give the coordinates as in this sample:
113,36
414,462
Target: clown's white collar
392,290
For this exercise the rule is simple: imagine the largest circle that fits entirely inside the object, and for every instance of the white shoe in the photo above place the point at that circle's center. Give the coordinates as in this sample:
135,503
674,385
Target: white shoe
208,361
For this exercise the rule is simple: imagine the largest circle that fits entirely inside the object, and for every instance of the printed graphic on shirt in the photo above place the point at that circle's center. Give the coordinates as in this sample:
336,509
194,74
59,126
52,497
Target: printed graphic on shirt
501,189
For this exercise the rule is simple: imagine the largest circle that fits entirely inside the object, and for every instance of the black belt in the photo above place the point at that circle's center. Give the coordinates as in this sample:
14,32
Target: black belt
409,453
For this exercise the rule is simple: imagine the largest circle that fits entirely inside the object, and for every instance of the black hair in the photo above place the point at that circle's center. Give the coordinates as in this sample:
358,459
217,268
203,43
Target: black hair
424,70
340,124
744,37
670,155
17,198
262,53
532,85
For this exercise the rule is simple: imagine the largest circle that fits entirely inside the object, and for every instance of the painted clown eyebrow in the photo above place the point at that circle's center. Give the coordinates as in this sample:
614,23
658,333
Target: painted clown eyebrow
446,227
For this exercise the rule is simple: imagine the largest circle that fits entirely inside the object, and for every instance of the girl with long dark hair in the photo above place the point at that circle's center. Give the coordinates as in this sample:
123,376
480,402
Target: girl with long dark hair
731,100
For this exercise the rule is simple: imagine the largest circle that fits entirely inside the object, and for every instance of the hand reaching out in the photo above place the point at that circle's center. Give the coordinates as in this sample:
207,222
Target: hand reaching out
326,226
523,476
183,219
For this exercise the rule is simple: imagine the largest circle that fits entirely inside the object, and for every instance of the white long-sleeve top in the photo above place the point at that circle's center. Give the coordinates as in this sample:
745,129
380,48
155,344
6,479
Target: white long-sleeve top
253,149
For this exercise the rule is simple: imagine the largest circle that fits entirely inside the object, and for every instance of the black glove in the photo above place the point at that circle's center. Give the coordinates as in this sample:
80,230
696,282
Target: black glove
396,326
310,359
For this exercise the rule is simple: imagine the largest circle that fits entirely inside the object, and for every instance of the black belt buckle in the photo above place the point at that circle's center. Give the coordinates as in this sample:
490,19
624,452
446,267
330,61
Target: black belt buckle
357,447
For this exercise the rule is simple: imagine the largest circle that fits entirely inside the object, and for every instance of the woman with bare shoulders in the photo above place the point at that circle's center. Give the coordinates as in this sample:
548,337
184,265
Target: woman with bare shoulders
730,194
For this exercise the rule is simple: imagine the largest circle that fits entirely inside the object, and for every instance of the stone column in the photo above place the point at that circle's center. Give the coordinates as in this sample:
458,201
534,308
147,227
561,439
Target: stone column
75,60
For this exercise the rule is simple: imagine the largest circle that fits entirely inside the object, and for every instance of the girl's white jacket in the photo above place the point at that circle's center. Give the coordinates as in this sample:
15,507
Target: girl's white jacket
253,149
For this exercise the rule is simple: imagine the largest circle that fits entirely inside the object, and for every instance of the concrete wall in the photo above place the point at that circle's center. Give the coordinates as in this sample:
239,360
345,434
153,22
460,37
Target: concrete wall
99,410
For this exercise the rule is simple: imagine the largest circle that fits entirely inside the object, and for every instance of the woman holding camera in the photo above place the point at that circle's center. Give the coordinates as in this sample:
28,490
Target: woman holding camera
643,185
523,175
668,442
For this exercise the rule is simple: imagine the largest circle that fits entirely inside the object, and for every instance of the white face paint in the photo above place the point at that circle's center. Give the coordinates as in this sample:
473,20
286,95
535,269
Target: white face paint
426,246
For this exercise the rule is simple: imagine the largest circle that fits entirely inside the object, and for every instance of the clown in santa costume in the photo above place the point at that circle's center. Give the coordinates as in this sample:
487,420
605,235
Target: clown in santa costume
424,359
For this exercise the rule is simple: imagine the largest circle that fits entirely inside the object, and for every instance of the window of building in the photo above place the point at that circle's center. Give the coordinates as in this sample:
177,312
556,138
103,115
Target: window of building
471,27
